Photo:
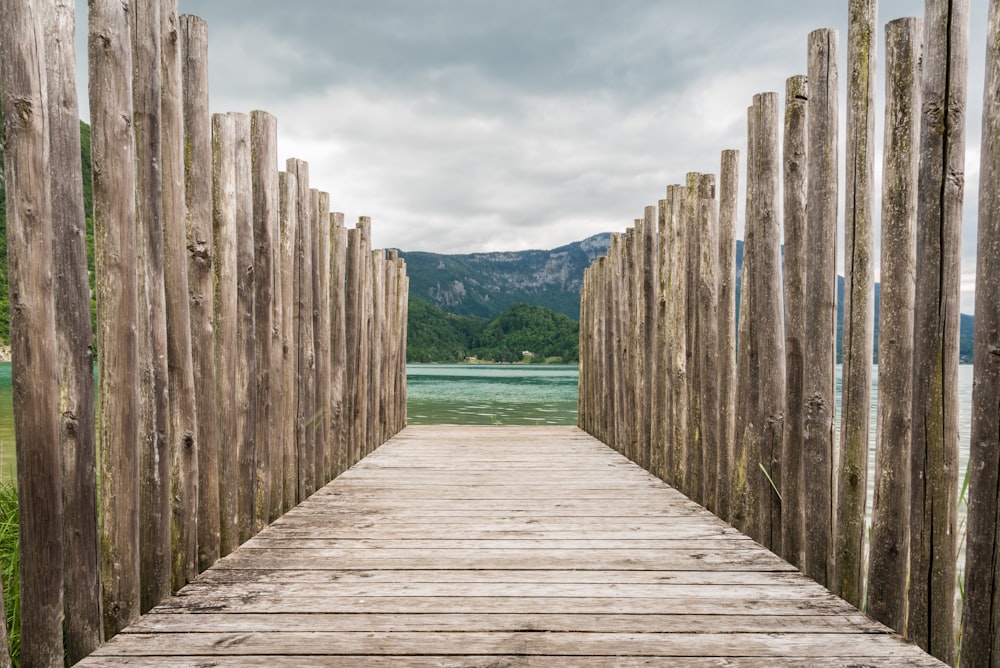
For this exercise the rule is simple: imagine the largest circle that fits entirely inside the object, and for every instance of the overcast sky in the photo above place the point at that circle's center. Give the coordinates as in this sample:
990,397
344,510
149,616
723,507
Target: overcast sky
471,125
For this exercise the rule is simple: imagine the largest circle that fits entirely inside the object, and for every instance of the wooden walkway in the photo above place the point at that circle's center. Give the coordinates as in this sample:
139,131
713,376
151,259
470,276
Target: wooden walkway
503,546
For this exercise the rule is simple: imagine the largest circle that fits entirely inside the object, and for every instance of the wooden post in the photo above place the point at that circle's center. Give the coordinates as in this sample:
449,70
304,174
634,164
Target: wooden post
321,338
767,308
34,350
200,254
660,413
264,163
746,452
859,301
304,349
404,310
113,154
647,319
353,334
288,190
934,472
81,566
245,349
389,334
728,214
154,490
338,278
795,181
821,304
225,327
182,434
980,618
888,562
364,334
375,386
633,311
708,339
694,482
276,381
675,461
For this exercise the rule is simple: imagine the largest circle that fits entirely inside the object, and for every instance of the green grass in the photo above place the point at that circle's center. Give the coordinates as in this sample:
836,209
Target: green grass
9,567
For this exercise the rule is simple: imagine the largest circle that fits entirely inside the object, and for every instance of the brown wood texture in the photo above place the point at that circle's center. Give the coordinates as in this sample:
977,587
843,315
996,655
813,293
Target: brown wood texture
34,345
200,259
287,194
81,566
338,333
154,483
182,434
321,335
305,358
859,300
707,288
113,155
821,304
728,215
795,189
402,558
934,454
888,555
981,619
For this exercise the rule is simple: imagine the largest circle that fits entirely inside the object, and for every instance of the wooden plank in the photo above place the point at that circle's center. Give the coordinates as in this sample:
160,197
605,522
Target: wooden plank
360,572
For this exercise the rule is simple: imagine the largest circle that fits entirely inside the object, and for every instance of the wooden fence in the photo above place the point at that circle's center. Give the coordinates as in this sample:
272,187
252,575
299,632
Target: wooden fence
249,347
752,437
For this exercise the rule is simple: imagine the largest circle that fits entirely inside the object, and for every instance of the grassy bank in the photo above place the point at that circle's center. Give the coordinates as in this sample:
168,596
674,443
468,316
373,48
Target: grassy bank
9,565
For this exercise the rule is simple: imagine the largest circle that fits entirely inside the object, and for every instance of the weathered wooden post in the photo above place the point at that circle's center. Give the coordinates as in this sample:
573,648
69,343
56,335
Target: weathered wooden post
113,155
728,214
746,450
200,254
353,333
694,484
182,434
338,278
375,386
35,372
246,348
888,562
614,360
660,411
633,311
364,334
821,304
980,618
154,483
321,336
795,189
859,301
288,189
708,335
264,162
404,312
934,472
225,324
647,247
770,309
304,348
675,323
81,568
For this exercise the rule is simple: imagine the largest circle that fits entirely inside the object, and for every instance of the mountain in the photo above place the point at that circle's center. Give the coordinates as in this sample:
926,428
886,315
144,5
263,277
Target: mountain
486,284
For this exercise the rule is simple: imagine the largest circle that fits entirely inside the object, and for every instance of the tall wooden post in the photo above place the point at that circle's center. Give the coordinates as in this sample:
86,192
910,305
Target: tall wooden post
708,335
660,411
81,567
304,349
859,301
225,323
981,618
321,338
934,470
363,296
728,214
795,190
647,320
675,323
288,190
353,333
694,480
182,433
264,163
888,560
200,258
154,496
338,333
34,346
113,154
246,349
821,304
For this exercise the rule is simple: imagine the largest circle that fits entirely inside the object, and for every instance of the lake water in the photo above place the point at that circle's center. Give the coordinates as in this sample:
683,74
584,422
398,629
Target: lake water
492,394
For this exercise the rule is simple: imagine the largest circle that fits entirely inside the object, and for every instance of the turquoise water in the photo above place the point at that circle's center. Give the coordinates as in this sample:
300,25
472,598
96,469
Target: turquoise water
491,394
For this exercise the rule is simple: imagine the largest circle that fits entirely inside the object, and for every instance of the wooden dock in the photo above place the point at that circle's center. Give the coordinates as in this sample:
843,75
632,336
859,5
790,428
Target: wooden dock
502,546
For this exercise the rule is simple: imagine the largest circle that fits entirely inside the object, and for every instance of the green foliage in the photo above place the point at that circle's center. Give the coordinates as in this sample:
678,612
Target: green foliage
436,336
9,564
